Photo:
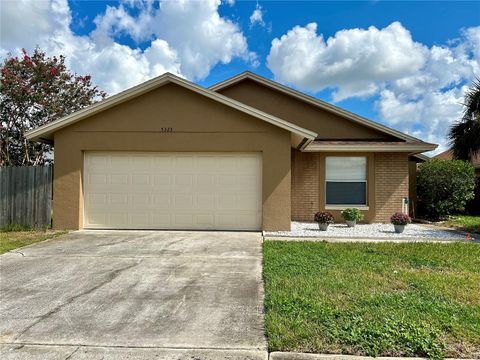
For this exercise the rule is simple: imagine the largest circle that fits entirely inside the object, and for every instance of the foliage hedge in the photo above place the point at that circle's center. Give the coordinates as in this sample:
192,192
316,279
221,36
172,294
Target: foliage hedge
444,187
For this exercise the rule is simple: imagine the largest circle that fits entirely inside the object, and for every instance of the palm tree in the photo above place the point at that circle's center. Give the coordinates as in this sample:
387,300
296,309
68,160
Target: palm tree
464,135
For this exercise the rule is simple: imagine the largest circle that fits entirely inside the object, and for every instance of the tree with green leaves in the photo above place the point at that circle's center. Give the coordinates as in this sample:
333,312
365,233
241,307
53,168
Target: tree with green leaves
464,135
35,90
444,187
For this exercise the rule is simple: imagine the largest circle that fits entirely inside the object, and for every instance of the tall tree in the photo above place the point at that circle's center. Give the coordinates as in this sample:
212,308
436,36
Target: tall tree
464,135
35,90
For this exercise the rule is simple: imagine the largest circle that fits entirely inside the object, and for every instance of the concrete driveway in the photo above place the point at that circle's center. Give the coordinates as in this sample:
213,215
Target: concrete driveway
134,294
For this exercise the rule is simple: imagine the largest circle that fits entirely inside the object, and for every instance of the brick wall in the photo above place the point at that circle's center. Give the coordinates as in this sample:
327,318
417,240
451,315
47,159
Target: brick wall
391,184
305,185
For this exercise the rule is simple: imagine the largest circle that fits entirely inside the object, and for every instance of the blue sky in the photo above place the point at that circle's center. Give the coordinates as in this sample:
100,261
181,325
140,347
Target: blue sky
404,64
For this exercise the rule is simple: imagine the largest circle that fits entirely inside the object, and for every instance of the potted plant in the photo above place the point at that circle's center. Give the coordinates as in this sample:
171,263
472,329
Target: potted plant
351,216
399,221
323,218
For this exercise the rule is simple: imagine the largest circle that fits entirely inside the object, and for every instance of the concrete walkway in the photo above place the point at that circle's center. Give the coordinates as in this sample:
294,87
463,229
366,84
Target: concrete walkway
131,294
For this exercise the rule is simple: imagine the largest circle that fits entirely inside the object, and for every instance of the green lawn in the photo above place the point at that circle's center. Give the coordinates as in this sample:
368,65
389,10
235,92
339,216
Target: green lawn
465,222
10,240
373,299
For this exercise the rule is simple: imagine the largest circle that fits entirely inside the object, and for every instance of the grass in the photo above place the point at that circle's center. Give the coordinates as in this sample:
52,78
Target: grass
14,237
469,223
373,299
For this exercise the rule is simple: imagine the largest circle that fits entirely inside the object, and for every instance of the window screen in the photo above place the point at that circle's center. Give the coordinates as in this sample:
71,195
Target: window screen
346,180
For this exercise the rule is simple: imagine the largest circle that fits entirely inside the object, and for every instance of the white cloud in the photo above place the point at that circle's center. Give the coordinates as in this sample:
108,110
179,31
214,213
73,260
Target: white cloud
427,117
187,38
353,61
200,36
419,89
23,22
257,16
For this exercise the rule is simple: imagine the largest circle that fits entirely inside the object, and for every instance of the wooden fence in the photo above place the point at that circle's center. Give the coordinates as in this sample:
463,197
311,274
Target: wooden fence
26,195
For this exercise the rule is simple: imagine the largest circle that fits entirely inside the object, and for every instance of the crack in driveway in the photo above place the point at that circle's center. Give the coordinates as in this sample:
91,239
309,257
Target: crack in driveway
112,275
72,353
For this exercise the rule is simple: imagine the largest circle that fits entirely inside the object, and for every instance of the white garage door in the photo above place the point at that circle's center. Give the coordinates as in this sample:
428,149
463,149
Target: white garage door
173,190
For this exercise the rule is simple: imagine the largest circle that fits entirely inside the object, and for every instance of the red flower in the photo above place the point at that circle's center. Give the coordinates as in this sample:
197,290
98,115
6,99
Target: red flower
54,71
323,217
400,219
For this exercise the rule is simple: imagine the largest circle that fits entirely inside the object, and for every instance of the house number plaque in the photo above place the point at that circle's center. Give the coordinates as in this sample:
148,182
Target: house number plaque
166,129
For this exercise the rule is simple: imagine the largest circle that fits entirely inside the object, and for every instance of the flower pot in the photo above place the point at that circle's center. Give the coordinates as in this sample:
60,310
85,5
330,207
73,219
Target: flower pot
399,228
351,223
323,227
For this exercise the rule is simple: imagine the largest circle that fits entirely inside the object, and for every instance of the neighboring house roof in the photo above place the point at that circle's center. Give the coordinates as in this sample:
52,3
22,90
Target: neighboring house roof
381,146
448,155
313,101
300,137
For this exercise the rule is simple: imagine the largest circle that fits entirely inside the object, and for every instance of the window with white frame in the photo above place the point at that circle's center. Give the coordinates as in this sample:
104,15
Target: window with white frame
346,180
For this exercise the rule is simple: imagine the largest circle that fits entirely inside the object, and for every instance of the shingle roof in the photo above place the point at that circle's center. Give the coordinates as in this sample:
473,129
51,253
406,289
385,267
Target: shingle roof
448,155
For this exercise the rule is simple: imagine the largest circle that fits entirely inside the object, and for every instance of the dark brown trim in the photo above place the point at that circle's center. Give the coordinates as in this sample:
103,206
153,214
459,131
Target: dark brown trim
300,146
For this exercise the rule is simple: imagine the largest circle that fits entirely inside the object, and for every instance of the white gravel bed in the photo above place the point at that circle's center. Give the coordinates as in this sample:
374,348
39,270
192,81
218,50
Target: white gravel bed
366,231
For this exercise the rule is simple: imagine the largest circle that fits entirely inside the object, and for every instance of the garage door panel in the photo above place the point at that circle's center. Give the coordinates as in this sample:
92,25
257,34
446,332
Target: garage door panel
119,179
172,190
226,181
183,201
204,181
226,201
206,164
162,180
183,220
139,219
117,219
118,199
140,179
182,180
96,162
161,201
97,199
97,218
205,202
183,163
246,202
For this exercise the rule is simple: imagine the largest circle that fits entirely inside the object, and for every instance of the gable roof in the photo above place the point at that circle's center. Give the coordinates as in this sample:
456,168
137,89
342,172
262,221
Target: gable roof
313,101
45,132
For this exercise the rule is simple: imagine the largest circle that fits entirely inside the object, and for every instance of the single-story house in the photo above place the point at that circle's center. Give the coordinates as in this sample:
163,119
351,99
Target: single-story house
245,154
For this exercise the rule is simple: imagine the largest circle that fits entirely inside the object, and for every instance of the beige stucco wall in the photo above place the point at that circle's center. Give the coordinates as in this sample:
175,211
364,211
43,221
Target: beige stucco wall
326,124
199,124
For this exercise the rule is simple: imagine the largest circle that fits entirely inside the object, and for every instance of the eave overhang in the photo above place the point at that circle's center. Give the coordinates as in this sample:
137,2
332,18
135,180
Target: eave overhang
368,146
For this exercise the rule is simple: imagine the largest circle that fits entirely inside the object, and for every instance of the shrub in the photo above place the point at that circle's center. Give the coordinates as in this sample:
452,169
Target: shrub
400,219
444,187
352,214
324,217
